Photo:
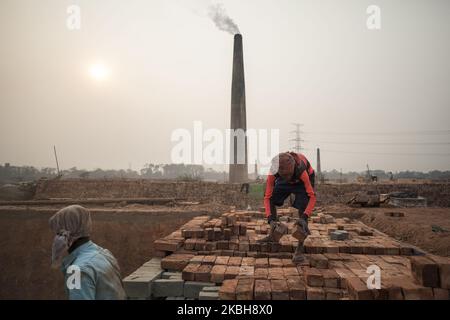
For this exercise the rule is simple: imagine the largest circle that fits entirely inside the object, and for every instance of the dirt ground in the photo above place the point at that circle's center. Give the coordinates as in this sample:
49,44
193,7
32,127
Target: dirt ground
128,232
426,228
25,244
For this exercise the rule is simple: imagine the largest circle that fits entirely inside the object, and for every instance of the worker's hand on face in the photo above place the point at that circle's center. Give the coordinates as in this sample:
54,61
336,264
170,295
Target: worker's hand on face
303,223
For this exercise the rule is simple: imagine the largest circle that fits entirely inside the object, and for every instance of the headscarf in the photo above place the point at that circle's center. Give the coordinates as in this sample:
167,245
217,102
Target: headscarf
68,224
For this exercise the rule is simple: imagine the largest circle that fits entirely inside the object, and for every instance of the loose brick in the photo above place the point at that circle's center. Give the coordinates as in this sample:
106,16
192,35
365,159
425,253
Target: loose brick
189,271
315,294
410,290
139,286
297,289
318,261
331,279
276,273
333,293
247,261
246,271
444,270
189,244
228,253
192,289
228,290
222,245
279,231
242,229
232,272
209,260
197,259
167,288
262,290
274,262
209,234
200,244
218,273
261,273
205,295
298,233
222,260
244,246
288,263
339,235
235,261
203,273
210,246
240,254
254,246
280,290
261,262
358,290
440,294
176,262
167,245
290,271
314,277
244,289
425,270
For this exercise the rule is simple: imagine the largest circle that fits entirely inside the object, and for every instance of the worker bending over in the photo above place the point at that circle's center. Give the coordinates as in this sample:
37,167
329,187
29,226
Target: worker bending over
291,173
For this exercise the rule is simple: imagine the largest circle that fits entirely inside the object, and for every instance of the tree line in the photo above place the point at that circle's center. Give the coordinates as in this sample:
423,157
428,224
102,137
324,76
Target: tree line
15,174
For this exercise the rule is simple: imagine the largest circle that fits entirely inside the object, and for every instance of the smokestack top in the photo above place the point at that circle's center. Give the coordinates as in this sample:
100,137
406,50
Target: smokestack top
237,36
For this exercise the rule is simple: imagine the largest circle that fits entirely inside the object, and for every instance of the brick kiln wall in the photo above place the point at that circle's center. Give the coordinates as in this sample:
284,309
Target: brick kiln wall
436,194
84,188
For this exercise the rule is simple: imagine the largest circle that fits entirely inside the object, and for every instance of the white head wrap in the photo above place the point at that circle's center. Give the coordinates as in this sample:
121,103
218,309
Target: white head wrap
68,224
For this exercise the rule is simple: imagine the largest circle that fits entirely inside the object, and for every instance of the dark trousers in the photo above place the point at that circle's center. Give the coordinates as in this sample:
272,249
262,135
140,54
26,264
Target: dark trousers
282,190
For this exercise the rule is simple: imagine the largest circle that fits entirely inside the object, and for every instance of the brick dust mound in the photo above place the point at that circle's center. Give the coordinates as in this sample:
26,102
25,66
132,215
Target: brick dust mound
427,228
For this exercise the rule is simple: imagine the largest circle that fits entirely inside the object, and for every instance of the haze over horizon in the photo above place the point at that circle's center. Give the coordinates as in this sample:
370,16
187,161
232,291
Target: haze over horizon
111,93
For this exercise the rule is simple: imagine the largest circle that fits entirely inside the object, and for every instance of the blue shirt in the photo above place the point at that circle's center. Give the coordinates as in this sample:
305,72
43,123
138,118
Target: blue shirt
92,273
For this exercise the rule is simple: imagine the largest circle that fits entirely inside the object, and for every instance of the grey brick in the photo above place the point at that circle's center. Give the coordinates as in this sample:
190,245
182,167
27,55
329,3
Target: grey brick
167,288
139,286
339,235
205,295
153,262
169,275
192,288
175,298
211,289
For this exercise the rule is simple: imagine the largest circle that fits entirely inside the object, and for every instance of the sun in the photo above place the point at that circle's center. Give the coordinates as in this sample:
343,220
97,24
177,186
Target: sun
99,72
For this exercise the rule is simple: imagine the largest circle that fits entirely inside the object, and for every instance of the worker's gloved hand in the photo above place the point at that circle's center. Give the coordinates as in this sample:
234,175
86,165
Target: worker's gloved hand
272,218
303,223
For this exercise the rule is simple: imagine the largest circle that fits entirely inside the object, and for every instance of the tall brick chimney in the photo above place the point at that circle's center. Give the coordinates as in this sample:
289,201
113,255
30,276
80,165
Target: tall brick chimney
238,162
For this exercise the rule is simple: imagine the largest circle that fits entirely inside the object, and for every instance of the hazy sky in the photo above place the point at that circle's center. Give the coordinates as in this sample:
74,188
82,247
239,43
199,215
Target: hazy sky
313,62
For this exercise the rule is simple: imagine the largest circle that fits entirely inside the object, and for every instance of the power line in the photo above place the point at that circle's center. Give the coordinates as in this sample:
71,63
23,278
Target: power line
384,133
379,143
382,153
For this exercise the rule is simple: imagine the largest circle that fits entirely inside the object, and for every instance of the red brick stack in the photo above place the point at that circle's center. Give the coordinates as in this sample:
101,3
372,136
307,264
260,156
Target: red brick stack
227,251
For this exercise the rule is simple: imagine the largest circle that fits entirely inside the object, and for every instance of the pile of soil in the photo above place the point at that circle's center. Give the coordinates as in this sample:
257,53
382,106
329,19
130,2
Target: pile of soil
426,228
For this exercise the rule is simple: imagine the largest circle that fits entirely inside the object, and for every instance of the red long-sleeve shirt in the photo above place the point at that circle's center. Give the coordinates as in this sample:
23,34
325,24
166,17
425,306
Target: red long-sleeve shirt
304,178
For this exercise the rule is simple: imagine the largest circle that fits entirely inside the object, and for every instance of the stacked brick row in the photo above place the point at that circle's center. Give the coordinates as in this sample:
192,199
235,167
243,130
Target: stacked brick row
223,258
239,234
